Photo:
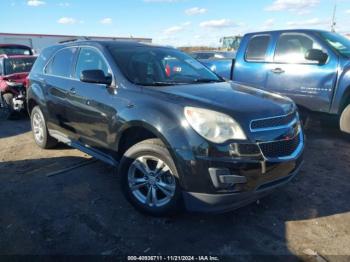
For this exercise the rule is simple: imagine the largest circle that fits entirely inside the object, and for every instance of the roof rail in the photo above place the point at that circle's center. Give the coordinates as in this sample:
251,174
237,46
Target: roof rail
75,39
69,40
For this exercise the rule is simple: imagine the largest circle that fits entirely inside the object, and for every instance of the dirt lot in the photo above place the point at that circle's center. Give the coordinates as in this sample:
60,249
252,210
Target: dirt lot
82,211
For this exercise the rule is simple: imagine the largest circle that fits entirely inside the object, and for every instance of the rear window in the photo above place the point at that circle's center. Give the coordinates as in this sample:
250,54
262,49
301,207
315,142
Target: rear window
61,64
257,48
18,65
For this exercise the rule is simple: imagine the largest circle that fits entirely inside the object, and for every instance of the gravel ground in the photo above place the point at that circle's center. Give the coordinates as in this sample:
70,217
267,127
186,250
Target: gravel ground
82,212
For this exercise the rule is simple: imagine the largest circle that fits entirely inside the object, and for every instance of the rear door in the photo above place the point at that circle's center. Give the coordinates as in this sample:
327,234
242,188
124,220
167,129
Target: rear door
58,82
251,60
306,82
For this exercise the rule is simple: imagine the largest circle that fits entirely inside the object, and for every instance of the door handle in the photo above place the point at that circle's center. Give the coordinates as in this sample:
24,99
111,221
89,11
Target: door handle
277,71
72,91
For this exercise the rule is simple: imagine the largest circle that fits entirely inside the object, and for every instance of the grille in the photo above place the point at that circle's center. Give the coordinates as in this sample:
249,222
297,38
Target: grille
280,148
248,149
272,122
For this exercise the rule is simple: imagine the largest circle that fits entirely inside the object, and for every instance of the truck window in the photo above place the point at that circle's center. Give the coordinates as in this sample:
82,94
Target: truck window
90,59
257,48
61,64
291,48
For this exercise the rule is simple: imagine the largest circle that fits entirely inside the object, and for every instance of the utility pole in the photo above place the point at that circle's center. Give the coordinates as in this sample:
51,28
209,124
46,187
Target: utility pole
334,22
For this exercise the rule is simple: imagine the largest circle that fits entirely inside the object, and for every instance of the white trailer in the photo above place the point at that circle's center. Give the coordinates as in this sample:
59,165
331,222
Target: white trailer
38,42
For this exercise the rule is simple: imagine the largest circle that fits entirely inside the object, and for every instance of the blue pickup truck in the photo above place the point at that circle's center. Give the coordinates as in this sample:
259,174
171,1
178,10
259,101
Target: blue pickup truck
219,62
310,66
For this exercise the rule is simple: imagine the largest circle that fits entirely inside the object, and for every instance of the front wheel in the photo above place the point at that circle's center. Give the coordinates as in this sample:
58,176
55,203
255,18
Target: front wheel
149,178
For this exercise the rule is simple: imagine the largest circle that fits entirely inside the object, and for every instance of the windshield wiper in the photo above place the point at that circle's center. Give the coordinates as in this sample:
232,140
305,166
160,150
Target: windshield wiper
159,83
207,80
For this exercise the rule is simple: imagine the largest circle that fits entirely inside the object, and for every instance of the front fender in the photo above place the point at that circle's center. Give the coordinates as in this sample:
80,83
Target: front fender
166,122
342,91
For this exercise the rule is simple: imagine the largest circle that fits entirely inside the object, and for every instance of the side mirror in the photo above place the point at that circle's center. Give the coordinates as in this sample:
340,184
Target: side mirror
316,55
96,77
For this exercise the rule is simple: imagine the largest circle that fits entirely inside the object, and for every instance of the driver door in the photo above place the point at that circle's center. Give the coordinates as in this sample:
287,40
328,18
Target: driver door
308,83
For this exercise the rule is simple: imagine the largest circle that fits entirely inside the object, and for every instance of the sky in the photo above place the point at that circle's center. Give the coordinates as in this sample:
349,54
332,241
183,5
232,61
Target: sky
171,22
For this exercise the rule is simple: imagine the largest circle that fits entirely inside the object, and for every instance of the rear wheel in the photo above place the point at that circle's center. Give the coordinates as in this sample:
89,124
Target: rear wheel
40,133
149,178
345,120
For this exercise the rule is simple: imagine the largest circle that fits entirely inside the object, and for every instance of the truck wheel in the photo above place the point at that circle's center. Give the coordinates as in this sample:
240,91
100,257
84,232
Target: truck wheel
149,179
345,120
7,106
41,135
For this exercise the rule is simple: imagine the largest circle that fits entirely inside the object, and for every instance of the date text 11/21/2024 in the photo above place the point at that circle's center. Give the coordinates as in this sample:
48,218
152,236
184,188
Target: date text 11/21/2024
173,258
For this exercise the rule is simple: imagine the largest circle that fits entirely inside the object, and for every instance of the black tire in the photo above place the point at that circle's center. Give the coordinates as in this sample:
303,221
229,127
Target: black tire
150,148
47,141
7,111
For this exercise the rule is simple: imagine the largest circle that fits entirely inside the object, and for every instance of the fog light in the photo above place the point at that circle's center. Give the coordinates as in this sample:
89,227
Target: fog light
223,179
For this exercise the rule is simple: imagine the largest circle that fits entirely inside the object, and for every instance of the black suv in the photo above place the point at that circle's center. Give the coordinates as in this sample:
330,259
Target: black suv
179,134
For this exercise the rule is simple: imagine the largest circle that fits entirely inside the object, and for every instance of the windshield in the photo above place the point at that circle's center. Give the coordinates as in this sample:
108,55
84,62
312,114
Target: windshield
18,65
15,50
154,66
338,42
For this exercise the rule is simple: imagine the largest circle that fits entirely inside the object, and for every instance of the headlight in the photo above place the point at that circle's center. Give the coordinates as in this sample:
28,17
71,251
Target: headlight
213,126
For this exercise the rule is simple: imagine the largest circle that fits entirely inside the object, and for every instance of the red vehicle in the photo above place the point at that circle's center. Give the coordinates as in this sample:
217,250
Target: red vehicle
15,49
14,70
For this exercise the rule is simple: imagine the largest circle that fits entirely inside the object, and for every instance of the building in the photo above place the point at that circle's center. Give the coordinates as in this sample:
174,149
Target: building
38,41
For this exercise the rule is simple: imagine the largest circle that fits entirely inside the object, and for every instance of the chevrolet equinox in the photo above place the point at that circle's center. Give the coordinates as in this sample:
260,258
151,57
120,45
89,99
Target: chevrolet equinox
178,135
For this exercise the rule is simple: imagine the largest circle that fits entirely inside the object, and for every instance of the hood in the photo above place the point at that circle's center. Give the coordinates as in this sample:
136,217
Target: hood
241,102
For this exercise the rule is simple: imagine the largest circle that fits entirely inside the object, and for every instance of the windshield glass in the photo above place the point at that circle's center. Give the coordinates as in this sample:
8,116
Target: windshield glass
18,65
154,66
338,42
15,50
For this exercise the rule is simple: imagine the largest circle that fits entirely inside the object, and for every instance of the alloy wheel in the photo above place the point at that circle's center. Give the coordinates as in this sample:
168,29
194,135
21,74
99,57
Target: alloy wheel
38,127
151,181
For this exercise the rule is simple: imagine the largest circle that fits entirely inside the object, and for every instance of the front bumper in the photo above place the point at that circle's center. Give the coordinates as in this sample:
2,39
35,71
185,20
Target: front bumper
217,203
221,184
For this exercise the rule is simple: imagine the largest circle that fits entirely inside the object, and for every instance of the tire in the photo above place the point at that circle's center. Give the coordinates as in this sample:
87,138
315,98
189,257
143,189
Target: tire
39,129
7,111
345,120
140,163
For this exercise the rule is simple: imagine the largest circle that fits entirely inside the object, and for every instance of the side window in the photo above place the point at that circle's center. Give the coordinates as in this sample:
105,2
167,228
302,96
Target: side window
90,59
1,67
291,48
61,64
257,48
